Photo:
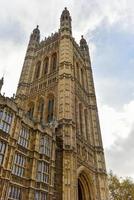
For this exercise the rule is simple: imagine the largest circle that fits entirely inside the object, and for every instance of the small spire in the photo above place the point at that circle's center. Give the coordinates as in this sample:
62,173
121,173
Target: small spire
35,36
83,41
36,29
65,12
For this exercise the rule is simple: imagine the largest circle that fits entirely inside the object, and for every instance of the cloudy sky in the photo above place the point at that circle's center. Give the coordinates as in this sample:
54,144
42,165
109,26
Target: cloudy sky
108,26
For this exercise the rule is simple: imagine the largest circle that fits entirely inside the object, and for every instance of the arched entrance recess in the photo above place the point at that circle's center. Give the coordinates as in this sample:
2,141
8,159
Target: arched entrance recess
85,185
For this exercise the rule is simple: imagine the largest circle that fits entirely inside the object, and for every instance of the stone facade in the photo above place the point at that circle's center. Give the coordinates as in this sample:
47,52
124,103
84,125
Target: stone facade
50,139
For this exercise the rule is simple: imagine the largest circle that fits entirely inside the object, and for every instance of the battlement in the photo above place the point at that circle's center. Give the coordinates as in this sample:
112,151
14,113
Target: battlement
50,39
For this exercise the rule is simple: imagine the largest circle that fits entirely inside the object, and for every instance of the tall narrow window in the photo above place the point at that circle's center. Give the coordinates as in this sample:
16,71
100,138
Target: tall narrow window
81,119
37,70
45,65
77,70
19,165
54,62
82,78
50,110
42,172
30,110
86,81
86,123
2,151
41,110
77,117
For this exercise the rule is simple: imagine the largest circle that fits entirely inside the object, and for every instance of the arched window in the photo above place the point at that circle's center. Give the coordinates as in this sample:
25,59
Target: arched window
81,119
50,110
41,110
30,110
45,65
37,70
54,62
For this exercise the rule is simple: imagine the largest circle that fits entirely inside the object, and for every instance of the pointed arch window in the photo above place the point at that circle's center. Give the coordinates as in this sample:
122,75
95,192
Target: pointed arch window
54,62
50,109
37,70
45,65
30,110
41,110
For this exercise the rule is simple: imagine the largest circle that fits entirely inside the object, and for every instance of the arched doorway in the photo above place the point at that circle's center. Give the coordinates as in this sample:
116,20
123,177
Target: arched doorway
80,191
85,186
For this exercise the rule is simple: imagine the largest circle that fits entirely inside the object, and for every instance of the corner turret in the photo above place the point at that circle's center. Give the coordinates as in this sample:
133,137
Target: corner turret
84,49
35,36
83,44
65,22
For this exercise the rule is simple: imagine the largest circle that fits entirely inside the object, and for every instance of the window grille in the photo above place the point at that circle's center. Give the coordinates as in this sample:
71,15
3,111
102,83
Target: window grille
24,137
19,165
42,172
5,120
14,192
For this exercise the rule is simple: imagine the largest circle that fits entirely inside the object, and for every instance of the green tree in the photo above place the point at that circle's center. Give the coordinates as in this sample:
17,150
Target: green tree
120,188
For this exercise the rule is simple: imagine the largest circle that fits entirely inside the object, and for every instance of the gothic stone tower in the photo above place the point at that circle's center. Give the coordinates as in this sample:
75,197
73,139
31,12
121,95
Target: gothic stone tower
57,97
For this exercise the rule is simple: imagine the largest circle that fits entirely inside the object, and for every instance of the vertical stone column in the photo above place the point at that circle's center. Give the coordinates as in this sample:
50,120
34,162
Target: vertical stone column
66,110
70,176
4,189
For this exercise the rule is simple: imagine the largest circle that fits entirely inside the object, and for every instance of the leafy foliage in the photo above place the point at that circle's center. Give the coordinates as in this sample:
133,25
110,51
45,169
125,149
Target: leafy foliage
120,189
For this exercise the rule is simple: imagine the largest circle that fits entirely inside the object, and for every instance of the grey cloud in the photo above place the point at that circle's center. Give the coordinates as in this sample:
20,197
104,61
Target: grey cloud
120,156
34,12
113,91
86,14
12,31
